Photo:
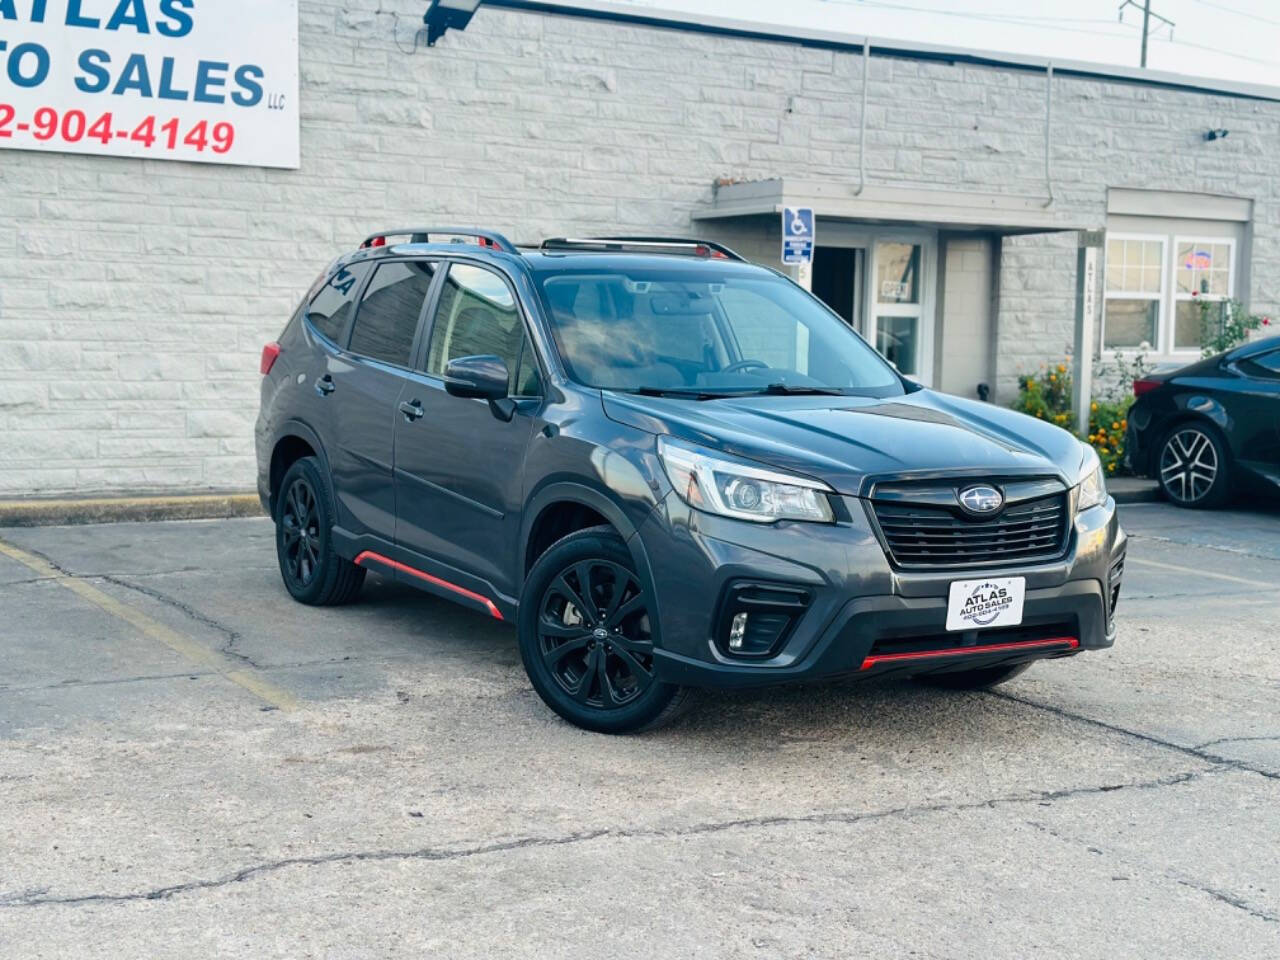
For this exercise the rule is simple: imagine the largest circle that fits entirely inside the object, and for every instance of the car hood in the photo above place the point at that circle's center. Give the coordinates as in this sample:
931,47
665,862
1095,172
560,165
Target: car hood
850,442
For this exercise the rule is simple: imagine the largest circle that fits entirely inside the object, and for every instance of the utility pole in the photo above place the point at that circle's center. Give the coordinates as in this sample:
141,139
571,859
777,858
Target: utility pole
1147,16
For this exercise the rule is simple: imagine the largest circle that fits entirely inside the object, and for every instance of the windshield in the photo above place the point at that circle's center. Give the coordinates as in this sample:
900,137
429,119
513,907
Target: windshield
706,333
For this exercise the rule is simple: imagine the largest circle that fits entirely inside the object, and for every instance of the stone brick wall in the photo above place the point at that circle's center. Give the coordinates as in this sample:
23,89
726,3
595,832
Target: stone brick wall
135,295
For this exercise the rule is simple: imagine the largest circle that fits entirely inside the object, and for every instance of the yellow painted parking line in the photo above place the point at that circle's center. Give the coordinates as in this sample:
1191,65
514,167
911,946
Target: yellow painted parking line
1199,573
197,653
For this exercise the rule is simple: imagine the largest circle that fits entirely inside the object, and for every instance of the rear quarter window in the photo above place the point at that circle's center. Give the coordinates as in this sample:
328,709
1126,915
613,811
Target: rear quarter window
331,308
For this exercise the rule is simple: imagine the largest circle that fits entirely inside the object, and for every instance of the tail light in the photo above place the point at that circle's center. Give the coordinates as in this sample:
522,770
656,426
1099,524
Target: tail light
1144,386
269,354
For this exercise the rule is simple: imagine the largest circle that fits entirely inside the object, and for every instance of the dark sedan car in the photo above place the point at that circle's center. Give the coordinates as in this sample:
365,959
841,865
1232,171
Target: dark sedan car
1212,427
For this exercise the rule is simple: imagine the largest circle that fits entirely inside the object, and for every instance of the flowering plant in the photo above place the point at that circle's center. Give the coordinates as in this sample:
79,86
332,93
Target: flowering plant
1225,324
1047,395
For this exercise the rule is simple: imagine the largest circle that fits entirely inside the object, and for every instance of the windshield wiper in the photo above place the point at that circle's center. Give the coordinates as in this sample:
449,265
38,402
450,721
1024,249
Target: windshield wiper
686,394
773,389
791,390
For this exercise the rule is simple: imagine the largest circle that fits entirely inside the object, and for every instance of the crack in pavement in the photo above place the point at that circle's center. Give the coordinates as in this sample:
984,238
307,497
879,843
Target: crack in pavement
1217,894
1197,752
1221,740
195,674
1233,551
1230,900
40,898
233,637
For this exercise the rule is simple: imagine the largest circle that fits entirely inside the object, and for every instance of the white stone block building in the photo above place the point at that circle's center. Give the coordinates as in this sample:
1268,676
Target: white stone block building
953,190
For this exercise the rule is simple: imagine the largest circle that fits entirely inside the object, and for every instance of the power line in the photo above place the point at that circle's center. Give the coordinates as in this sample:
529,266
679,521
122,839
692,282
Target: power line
1225,53
1048,23
1045,23
1239,13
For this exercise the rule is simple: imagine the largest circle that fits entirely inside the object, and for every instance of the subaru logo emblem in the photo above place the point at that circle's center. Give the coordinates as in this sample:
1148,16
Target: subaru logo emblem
981,500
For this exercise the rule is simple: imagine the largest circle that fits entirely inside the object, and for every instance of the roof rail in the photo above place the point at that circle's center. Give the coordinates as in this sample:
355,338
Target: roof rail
485,238
679,245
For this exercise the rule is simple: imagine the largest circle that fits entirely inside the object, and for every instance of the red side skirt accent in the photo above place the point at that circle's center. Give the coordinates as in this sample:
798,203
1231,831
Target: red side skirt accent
1067,643
485,602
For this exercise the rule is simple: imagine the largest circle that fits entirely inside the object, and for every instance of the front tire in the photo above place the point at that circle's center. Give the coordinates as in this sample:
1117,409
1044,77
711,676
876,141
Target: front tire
312,572
586,631
1192,467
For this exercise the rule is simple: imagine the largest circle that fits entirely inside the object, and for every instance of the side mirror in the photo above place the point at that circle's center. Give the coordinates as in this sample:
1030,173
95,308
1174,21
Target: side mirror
481,378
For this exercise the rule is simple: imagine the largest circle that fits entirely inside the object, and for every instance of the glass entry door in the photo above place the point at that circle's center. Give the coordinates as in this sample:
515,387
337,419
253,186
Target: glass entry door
897,306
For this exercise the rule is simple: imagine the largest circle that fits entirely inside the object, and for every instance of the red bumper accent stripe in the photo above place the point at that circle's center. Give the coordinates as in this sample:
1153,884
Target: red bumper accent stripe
452,587
1069,643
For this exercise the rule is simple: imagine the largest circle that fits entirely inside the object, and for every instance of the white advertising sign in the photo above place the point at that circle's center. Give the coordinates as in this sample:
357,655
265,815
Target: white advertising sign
206,81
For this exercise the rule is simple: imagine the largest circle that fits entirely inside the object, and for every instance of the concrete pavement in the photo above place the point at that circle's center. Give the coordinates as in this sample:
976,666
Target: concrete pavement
192,765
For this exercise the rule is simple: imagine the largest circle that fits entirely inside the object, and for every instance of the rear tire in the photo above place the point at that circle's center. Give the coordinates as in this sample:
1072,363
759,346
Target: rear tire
586,637
304,511
1193,467
973,679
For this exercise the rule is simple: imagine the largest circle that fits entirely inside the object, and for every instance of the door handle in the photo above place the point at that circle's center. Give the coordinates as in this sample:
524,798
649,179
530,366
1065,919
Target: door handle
412,410
325,385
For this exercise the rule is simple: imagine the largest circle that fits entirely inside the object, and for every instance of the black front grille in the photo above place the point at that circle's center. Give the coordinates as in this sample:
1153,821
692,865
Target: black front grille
920,535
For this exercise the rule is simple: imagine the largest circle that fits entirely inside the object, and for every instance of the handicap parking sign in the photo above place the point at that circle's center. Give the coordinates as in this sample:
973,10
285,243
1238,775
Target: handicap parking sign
797,235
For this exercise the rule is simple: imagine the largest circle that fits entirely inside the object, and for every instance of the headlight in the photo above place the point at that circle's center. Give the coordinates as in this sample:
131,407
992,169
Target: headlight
1093,487
733,489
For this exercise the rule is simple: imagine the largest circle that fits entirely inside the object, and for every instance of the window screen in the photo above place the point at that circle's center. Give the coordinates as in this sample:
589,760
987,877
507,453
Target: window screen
331,308
389,312
477,316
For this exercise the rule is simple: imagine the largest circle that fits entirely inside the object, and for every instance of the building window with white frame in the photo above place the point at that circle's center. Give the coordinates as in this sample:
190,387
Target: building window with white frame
1203,272
1161,288
1135,292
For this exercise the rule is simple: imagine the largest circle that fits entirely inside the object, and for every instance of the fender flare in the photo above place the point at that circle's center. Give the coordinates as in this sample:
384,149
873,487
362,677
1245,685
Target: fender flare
1197,408
296,428
567,491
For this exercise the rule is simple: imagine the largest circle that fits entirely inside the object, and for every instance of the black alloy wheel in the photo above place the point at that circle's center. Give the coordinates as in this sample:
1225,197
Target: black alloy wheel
1193,466
312,572
587,637
300,531
594,634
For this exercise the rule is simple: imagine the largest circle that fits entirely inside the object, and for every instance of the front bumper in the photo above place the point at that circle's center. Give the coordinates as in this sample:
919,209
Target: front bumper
864,617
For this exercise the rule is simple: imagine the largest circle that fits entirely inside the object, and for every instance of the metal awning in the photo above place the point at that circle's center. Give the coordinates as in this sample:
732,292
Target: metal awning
1000,213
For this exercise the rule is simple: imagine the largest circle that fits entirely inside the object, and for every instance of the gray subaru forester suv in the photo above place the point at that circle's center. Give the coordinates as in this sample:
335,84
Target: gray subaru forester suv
671,470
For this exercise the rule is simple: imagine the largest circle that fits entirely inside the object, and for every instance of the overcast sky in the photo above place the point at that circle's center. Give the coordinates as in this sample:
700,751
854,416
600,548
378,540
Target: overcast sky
1234,39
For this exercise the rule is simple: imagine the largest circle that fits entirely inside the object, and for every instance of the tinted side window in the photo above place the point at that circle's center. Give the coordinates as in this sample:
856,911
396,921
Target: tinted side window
528,378
388,315
331,308
477,316
1265,366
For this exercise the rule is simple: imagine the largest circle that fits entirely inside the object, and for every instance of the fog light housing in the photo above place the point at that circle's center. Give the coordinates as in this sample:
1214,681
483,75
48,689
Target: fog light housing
755,619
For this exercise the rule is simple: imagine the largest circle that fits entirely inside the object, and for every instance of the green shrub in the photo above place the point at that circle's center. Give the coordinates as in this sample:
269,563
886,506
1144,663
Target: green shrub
1047,396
